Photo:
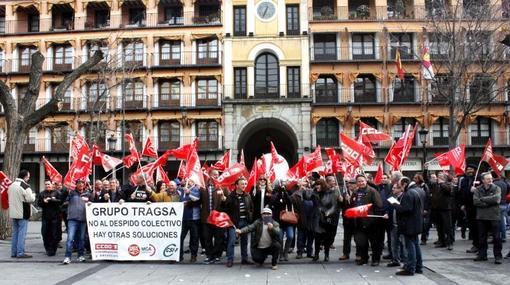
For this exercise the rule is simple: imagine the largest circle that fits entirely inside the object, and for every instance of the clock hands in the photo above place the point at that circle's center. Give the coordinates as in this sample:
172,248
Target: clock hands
265,11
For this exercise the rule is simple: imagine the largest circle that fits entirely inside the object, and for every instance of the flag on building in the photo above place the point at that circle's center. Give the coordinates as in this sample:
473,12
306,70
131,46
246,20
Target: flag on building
426,64
400,68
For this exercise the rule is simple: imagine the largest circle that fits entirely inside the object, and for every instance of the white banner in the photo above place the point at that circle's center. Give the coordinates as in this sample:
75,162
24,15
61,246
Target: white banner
135,231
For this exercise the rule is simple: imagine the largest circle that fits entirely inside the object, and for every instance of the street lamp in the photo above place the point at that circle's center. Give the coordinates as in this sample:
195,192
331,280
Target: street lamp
423,138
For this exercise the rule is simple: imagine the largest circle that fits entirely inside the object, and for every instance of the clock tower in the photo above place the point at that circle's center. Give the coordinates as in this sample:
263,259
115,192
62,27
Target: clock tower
266,77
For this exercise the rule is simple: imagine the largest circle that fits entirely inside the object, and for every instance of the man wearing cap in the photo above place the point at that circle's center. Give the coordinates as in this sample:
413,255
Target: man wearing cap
76,216
266,238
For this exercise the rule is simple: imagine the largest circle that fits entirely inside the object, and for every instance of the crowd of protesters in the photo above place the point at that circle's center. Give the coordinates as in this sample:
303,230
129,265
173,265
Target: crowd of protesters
402,212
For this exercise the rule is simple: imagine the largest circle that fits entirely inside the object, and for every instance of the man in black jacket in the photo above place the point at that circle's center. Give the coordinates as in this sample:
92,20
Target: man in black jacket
503,205
266,238
49,201
442,202
239,207
410,224
466,201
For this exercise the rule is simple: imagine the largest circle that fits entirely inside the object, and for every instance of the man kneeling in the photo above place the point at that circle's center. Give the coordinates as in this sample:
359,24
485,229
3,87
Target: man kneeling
266,239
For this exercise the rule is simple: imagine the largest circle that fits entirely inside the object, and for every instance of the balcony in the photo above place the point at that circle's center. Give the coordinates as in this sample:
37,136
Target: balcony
342,96
170,13
207,12
2,19
440,141
133,14
98,16
130,102
62,17
362,10
324,10
400,9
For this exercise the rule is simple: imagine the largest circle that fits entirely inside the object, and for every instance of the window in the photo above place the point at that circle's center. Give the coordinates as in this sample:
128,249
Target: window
327,132
436,8
137,16
404,42
293,82
170,52
324,47
207,132
439,46
400,127
240,83
239,20
481,89
60,138
440,88
477,45
133,53
324,10
65,105
476,8
266,76
25,53
169,93
365,89
22,90
208,13
292,19
98,45
326,90
440,134
207,51
97,91
29,145
481,131
2,23
63,56
102,18
174,15
403,90
1,60
207,92
169,135
33,23
133,94
363,46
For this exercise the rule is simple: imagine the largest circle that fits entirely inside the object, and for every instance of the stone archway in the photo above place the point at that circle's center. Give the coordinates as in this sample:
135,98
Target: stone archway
255,137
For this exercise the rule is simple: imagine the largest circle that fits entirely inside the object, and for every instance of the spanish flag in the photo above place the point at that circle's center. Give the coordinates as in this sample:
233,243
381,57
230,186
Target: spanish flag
427,70
400,68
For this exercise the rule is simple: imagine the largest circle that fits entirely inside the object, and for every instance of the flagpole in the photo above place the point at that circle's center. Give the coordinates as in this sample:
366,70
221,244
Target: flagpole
476,174
113,171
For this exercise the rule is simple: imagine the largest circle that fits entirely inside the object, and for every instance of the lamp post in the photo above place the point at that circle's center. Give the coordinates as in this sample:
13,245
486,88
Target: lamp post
423,138
112,141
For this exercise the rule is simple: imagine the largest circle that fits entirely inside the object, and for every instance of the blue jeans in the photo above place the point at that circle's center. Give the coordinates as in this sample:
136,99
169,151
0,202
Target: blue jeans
231,242
398,252
305,241
502,222
19,233
75,230
413,260
289,232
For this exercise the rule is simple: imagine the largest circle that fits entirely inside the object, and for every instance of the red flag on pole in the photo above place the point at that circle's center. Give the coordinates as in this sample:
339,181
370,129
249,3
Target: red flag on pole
497,162
219,219
372,135
181,173
149,149
358,212
274,155
313,161
378,176
352,150
455,157
52,173
333,164
161,175
80,168
252,179
5,182
399,151
134,156
223,163
77,144
194,169
184,151
109,162
230,175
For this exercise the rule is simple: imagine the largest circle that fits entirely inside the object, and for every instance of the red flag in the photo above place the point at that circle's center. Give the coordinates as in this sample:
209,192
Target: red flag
5,182
95,155
194,170
368,152
184,151
77,143
80,168
223,163
497,162
230,175
134,156
313,161
109,162
161,175
455,157
372,135
378,176
252,179
400,68
219,219
399,151
181,173
333,163
274,155
241,159
297,171
147,170
358,212
54,175
352,150
149,149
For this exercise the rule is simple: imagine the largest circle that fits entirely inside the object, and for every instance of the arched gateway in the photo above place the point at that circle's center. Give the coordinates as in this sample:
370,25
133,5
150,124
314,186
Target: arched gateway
255,137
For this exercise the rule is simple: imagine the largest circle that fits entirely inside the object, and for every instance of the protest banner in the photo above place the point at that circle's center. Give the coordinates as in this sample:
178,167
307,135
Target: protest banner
135,231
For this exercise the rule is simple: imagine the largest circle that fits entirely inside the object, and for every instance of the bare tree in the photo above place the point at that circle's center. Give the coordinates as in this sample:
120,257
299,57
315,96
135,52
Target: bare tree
20,118
467,57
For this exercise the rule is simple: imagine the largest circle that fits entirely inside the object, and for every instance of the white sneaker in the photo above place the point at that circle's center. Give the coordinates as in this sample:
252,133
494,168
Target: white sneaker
81,258
66,261
274,267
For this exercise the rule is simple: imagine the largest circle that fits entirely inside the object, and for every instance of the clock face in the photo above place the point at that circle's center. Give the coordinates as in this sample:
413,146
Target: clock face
266,10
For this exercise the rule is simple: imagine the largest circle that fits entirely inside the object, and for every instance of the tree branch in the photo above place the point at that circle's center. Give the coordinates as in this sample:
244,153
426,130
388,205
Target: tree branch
52,106
34,84
7,101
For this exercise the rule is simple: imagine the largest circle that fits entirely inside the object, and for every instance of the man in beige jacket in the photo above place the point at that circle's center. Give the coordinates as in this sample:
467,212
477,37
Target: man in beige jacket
20,199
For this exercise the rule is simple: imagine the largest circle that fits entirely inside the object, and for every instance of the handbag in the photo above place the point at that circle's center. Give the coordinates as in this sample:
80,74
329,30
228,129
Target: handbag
289,217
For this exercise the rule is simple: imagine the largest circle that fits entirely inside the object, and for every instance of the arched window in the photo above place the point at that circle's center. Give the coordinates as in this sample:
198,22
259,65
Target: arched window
266,76
326,90
327,132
